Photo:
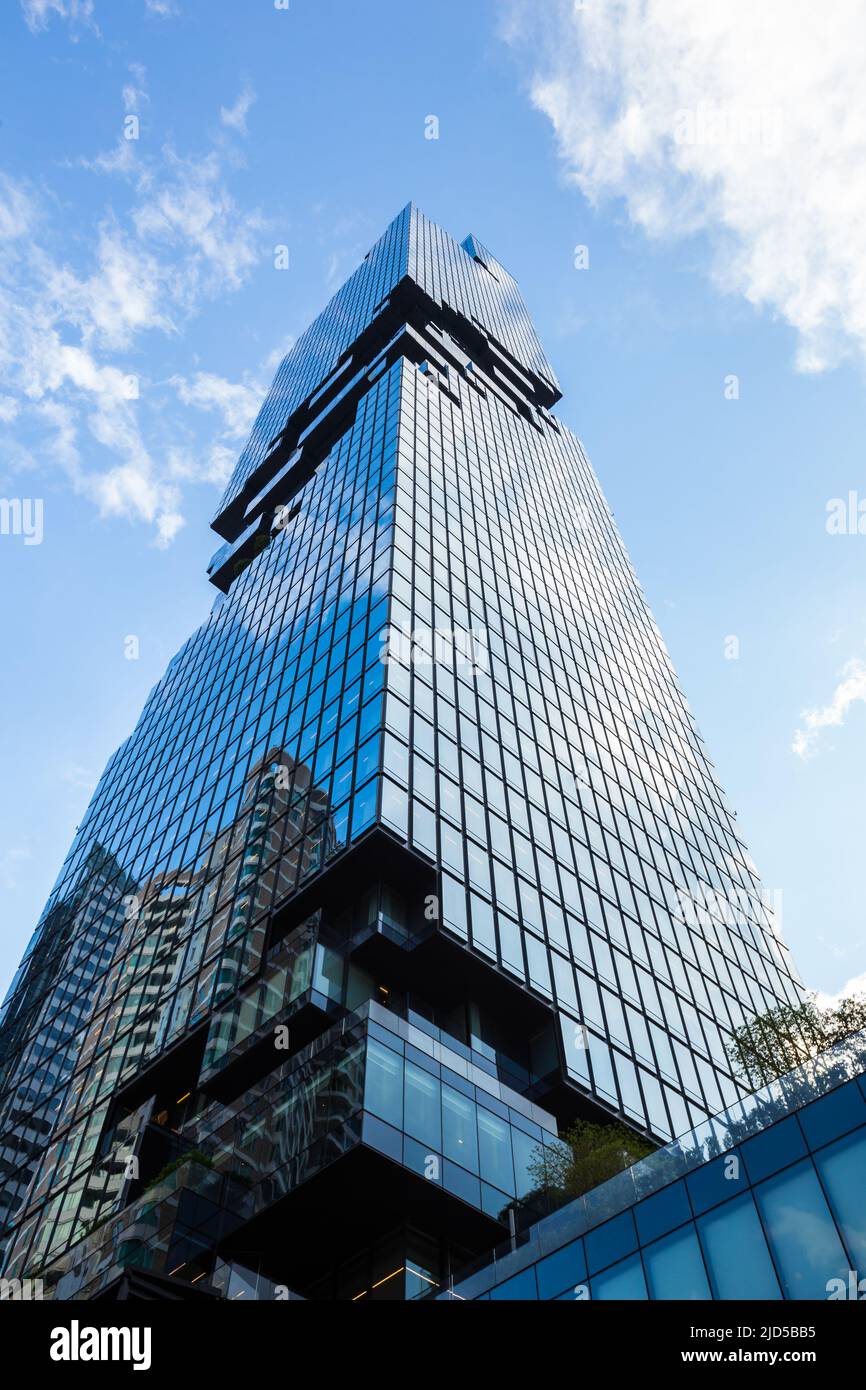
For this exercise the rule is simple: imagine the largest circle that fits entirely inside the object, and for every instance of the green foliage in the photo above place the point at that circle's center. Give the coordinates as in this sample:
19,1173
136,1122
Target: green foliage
191,1156
783,1038
588,1154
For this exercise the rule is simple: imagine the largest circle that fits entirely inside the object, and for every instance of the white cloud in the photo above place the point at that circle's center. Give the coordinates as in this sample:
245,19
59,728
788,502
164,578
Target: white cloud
133,488
17,210
235,401
37,13
235,117
850,690
743,121
67,329
121,160
856,986
128,291
193,211
135,93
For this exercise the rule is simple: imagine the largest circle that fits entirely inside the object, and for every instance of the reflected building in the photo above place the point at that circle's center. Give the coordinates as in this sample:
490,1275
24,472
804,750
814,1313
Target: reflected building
43,1016
416,853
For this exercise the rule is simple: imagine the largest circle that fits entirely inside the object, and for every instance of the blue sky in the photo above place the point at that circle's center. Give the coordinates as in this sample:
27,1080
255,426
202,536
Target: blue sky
142,315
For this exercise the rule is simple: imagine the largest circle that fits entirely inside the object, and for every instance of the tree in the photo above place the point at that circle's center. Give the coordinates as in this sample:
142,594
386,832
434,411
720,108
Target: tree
587,1154
781,1039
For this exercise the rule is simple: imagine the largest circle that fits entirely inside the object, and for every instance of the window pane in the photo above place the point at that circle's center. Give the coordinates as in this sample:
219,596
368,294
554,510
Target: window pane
622,1281
527,1152
567,1267
521,1286
842,1110
802,1236
736,1252
675,1269
842,1167
495,1151
422,1106
383,1090
458,1129
610,1242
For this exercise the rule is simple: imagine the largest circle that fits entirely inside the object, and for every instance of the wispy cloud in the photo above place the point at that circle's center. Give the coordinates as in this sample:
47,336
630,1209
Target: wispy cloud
851,690
69,329
740,121
17,210
235,117
135,94
235,404
38,13
192,211
234,401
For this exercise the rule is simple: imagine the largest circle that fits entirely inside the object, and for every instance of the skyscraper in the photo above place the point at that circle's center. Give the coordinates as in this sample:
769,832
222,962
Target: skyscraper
414,855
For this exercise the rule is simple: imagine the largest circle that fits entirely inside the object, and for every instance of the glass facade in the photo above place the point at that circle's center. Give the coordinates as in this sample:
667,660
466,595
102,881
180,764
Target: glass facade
373,1080
768,1206
428,751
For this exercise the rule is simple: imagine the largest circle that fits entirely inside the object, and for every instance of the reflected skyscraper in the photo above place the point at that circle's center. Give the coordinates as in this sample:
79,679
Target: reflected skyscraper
432,859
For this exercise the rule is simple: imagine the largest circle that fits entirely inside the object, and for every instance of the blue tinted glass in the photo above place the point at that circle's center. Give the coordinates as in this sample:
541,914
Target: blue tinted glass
622,1281
772,1150
562,1270
842,1167
717,1181
461,1183
525,1155
383,1137
803,1239
662,1213
364,807
675,1269
494,1148
459,1136
423,1106
383,1084
521,1286
736,1252
610,1242
833,1115
494,1202
420,1160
